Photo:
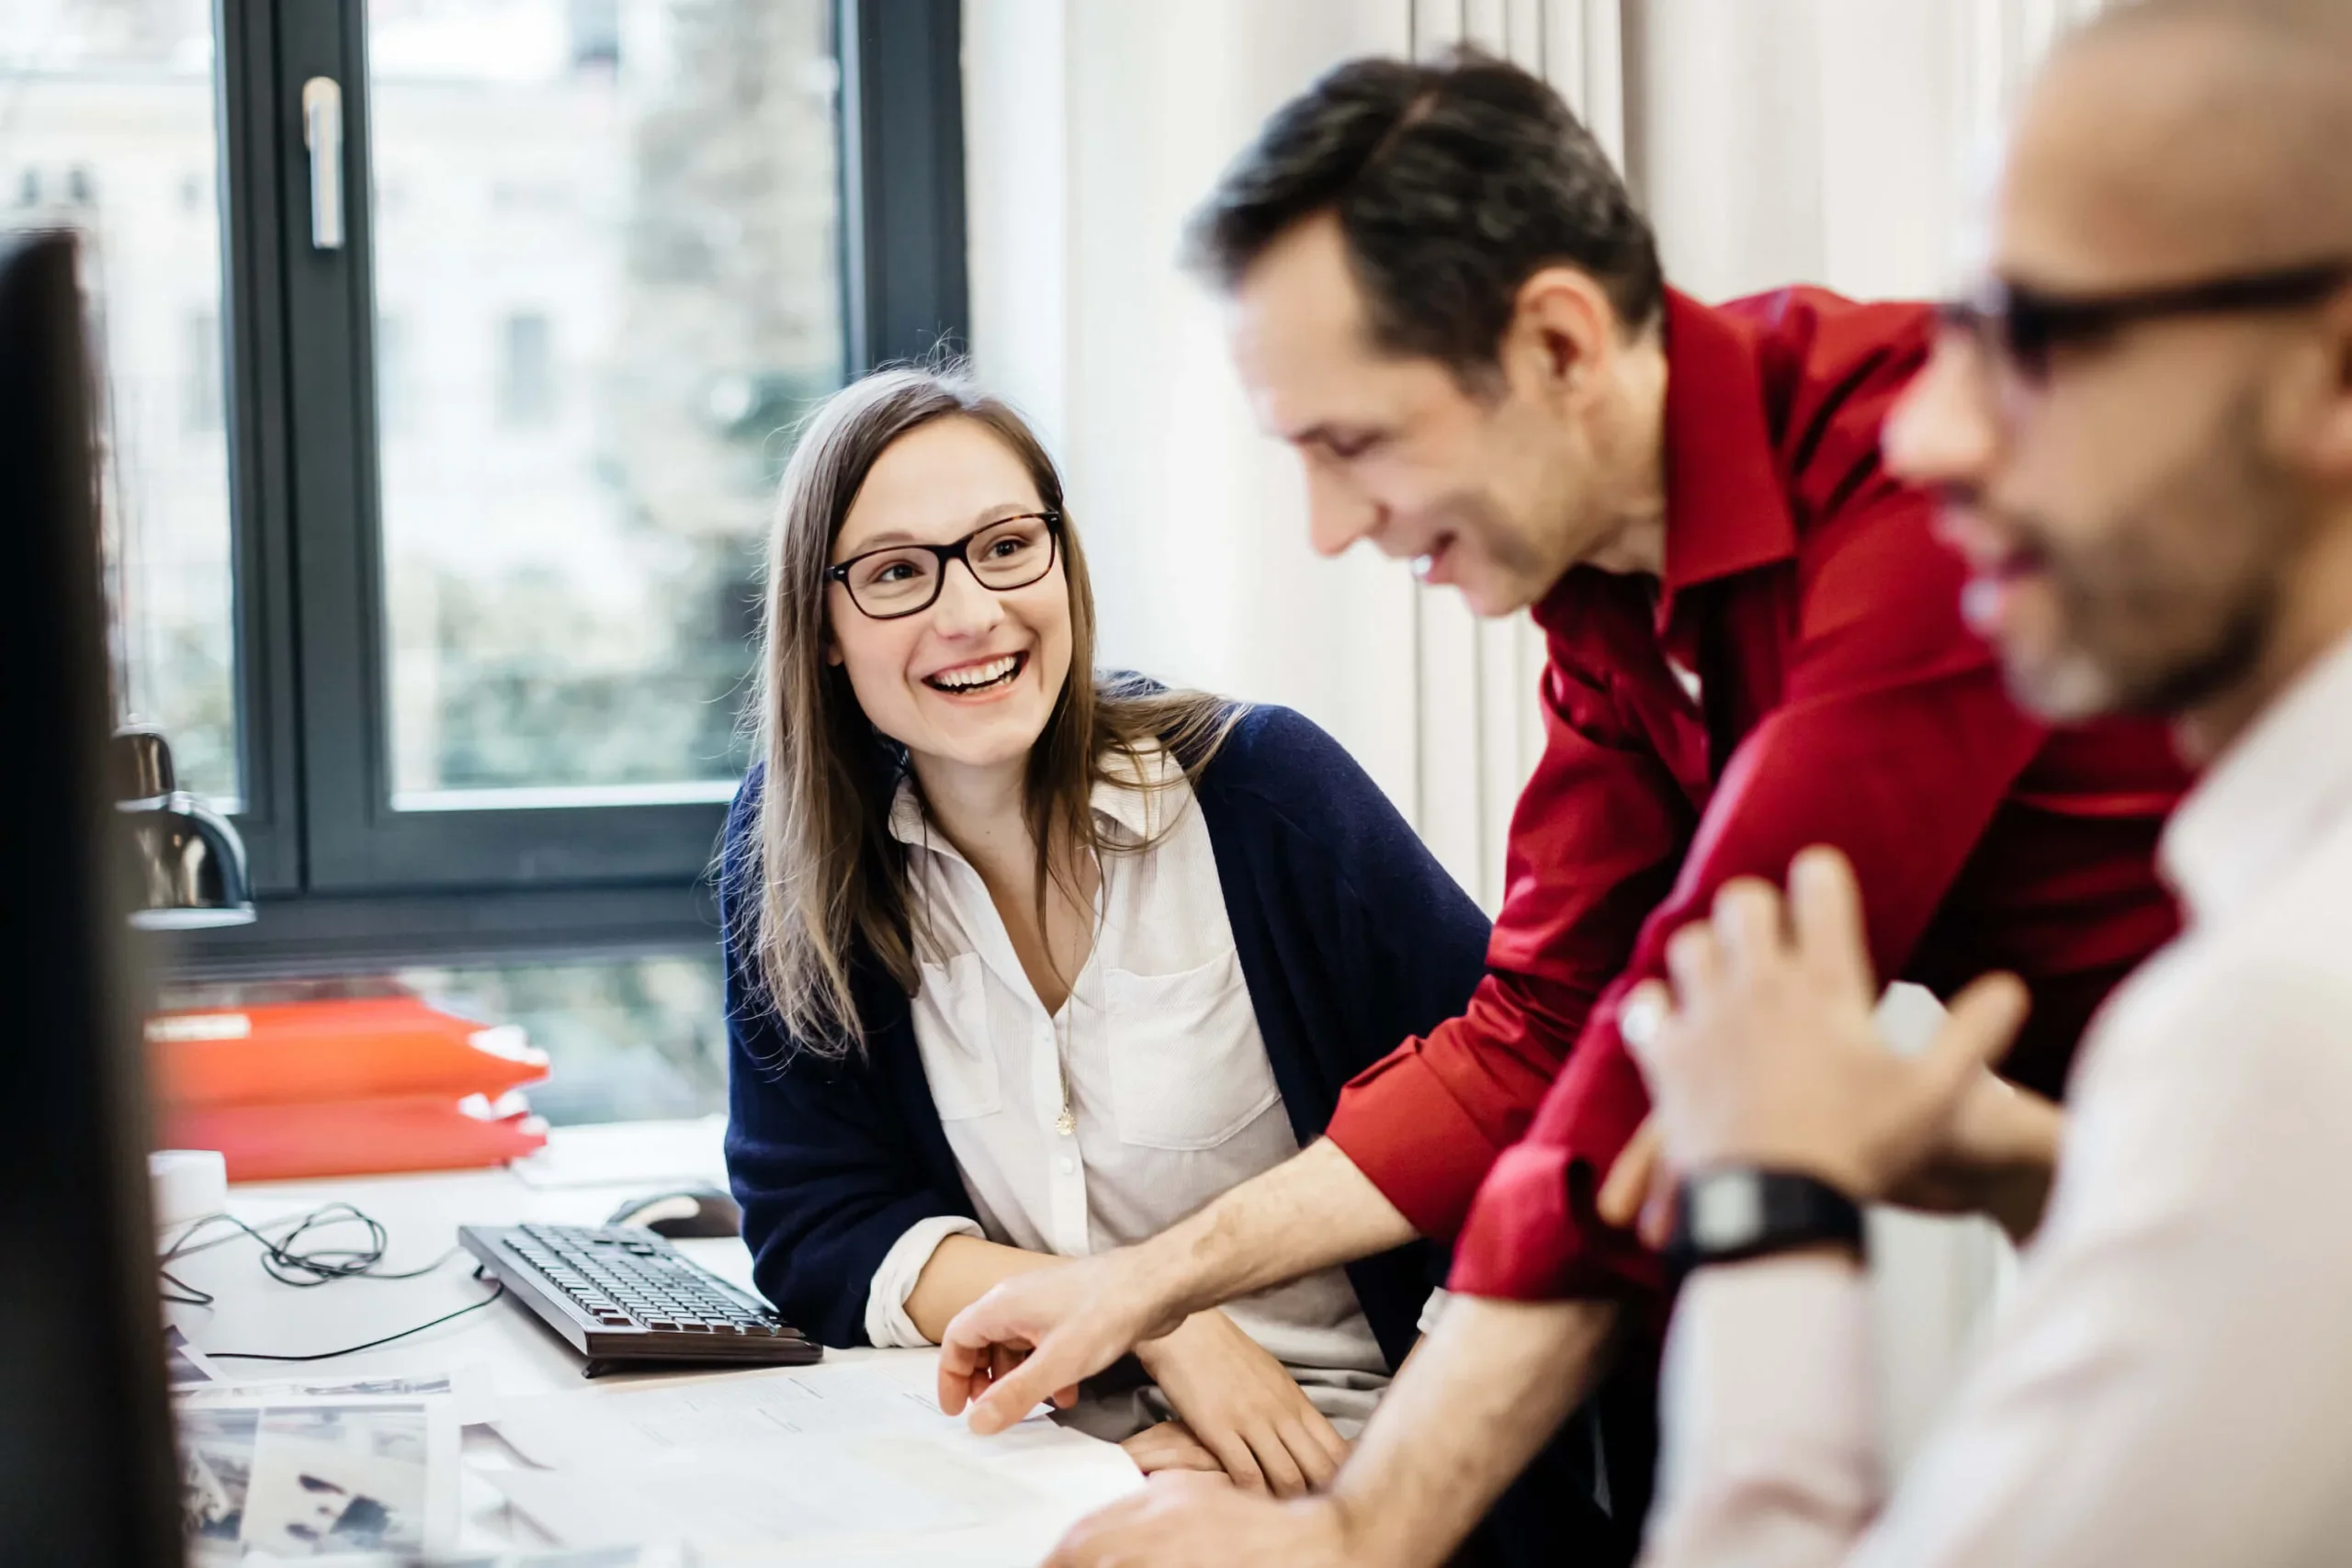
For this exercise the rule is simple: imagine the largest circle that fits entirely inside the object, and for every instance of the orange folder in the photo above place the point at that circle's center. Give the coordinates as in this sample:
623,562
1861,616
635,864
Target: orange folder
345,1086
334,1050
352,1137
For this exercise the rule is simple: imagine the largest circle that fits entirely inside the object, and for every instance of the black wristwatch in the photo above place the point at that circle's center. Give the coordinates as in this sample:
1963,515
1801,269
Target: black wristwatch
1734,1213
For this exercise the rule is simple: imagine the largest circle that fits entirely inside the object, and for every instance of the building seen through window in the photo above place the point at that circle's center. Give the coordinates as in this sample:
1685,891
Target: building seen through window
605,244
108,126
609,235
626,1038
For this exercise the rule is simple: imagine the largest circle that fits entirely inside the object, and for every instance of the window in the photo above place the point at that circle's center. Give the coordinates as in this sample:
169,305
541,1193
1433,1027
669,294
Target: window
201,394
435,551
627,1039
107,125
569,545
525,387
395,398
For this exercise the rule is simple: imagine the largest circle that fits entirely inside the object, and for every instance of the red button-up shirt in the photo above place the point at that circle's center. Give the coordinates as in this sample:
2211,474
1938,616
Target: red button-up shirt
1841,700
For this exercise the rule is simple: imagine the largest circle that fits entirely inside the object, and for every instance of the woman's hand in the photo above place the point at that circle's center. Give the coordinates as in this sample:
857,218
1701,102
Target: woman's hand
1171,1446
1238,1402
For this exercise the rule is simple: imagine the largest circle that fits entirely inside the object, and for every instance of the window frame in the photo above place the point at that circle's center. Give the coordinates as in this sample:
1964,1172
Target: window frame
343,879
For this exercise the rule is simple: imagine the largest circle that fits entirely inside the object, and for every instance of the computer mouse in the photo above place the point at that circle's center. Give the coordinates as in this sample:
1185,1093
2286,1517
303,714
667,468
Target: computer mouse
682,1212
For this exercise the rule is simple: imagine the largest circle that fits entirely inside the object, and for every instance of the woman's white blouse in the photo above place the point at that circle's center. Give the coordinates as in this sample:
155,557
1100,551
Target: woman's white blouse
1175,1099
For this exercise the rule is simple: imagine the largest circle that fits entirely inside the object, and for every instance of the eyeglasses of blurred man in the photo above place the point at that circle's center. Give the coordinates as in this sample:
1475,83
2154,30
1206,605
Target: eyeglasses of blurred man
2018,327
2129,377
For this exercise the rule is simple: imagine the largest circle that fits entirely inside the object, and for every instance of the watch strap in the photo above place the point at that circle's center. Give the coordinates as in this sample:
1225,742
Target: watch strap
1733,1214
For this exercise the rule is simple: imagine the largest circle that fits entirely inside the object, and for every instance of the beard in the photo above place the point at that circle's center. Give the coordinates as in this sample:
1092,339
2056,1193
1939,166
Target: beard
1506,568
2173,604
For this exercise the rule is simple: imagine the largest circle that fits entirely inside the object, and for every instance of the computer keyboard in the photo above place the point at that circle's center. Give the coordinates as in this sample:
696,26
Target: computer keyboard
623,1296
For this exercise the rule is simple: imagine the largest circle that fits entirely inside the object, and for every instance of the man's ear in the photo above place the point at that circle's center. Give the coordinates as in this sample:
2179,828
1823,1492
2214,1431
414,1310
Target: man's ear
2329,442
1563,333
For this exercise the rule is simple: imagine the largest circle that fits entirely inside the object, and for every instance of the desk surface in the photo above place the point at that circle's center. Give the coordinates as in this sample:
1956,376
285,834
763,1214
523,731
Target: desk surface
421,1214
586,1173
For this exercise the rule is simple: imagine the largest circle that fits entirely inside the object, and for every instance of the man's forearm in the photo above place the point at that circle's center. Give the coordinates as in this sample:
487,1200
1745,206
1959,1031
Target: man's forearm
1305,1214
1476,1401
1310,1213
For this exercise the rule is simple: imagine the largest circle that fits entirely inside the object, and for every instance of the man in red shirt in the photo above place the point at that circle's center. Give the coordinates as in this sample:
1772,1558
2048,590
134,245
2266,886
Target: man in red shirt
1443,298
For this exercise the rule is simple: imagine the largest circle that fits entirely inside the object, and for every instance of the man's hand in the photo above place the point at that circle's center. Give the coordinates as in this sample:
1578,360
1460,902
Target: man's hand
1070,1321
1766,1053
1244,1406
1035,1335
1998,1158
1471,1406
1199,1521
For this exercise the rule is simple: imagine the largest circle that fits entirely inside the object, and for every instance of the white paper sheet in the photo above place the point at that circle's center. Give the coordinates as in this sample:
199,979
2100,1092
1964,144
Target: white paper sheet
844,1463
742,1410
789,1489
665,1556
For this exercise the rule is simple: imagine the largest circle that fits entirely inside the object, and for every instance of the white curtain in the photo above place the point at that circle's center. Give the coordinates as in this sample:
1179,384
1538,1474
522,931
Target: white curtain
1091,128
1479,733
1833,141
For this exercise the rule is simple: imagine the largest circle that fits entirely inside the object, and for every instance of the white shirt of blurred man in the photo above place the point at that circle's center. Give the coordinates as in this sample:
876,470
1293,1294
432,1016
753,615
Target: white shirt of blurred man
2146,439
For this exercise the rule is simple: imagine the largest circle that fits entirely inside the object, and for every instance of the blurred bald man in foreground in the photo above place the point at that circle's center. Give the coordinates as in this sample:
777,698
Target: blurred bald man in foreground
2144,430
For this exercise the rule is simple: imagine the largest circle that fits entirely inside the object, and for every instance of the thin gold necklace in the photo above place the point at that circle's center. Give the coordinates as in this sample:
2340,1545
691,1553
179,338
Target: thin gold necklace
1067,1122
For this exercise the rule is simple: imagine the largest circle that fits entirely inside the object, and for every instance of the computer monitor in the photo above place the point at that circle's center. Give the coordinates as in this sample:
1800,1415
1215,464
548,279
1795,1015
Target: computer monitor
87,1473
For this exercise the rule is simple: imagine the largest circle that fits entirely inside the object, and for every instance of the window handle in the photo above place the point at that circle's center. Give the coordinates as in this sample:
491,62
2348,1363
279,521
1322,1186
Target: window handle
322,134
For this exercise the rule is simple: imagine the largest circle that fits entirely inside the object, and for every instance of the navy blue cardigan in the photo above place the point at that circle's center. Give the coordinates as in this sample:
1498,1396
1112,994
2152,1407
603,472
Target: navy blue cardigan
1351,937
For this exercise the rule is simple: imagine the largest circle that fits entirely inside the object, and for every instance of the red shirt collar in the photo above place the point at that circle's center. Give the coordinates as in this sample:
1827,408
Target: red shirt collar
1726,505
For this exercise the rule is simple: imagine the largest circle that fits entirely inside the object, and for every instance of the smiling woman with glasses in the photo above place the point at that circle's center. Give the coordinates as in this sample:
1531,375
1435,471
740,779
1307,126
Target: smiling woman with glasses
1026,962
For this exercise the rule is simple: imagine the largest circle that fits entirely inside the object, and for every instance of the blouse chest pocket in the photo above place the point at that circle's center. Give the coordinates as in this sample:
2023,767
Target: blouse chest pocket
1188,1069
951,1037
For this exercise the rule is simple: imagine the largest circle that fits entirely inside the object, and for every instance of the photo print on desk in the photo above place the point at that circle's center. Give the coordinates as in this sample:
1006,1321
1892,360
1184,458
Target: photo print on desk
317,1478
469,1391
184,1364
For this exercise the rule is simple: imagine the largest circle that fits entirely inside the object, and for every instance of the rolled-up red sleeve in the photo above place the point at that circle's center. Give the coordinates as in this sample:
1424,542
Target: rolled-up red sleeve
1425,1123
1894,741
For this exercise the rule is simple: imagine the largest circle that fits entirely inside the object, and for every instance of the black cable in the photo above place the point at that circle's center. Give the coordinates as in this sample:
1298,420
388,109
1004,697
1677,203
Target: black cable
188,1294
286,1261
497,1288
181,1248
289,1265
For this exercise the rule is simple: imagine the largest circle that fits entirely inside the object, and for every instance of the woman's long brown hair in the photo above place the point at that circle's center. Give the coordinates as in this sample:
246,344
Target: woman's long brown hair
830,880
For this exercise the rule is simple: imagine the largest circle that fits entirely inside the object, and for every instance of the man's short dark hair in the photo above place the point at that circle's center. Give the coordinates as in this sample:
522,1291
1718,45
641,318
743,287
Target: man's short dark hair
1454,181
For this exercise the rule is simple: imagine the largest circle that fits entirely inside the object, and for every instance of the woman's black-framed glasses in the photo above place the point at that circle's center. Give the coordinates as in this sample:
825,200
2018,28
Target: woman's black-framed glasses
905,580
2023,327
